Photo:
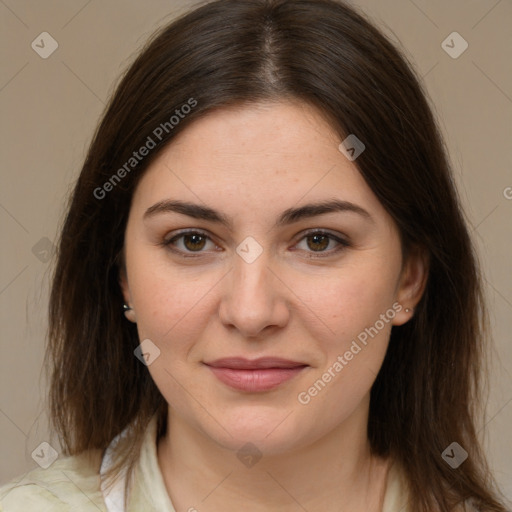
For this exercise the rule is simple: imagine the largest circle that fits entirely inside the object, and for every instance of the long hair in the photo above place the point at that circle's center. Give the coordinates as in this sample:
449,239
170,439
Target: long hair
322,52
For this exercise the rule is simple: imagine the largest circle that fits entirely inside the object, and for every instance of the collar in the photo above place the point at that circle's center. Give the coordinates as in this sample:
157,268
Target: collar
148,490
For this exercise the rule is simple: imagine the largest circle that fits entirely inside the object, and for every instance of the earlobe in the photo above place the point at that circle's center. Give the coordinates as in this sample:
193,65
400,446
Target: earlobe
412,284
129,313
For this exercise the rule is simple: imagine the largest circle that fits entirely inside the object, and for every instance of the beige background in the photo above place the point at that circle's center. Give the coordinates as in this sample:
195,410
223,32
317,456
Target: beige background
50,107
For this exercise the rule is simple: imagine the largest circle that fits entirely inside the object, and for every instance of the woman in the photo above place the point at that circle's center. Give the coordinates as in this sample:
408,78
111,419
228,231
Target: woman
268,201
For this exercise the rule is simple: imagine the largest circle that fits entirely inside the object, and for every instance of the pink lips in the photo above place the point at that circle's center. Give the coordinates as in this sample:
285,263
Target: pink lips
258,375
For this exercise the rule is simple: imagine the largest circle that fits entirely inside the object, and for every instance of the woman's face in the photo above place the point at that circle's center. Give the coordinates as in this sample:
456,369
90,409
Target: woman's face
245,268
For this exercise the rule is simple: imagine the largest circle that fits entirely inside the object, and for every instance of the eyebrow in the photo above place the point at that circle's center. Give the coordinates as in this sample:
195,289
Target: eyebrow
289,216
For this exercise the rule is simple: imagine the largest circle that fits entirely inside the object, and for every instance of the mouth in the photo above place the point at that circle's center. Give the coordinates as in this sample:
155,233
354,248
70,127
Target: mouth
257,375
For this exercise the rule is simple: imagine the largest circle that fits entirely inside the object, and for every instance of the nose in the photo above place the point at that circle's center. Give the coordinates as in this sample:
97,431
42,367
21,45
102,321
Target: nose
254,299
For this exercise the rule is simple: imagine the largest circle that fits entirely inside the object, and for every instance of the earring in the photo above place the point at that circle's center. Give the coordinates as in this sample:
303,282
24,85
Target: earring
409,310
129,313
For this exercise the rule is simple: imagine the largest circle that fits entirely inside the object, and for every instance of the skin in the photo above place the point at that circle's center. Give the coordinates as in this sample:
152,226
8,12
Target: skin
251,163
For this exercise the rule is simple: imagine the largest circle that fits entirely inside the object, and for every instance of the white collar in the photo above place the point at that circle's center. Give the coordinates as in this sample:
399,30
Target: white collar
114,496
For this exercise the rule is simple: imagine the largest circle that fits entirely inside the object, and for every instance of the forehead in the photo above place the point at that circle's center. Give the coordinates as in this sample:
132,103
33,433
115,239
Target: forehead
262,132
257,156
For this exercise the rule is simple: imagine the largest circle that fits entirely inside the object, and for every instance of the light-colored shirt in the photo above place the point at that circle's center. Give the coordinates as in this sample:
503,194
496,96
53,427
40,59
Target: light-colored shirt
74,484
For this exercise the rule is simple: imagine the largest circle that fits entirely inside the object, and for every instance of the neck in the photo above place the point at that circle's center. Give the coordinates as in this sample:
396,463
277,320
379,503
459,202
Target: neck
334,473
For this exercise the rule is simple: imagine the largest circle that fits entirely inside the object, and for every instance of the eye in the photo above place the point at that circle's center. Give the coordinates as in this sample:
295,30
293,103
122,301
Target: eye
318,241
188,241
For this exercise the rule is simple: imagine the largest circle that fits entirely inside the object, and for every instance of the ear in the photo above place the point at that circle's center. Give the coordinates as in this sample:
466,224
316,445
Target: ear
127,296
411,286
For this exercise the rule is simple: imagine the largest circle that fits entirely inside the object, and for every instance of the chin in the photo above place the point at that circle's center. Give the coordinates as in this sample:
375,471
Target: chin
268,434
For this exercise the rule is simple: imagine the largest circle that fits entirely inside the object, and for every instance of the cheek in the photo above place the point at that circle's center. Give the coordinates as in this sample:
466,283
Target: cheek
353,352
170,303
173,308
347,301
357,308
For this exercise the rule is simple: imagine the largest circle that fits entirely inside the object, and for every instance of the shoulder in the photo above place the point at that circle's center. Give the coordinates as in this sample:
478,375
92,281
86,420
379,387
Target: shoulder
70,483
398,496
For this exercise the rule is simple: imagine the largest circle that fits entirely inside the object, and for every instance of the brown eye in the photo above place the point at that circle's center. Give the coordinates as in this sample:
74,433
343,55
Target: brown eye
188,242
318,242
194,242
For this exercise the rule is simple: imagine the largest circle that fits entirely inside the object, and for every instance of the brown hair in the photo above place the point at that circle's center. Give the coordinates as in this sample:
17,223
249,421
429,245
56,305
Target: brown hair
232,52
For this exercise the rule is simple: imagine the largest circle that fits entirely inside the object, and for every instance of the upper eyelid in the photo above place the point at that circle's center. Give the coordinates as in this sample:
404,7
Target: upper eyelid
188,232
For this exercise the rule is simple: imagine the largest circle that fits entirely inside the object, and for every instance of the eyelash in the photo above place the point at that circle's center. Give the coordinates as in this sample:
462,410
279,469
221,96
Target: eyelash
343,244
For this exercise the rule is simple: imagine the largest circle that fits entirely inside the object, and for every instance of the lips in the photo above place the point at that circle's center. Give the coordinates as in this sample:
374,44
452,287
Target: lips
258,375
240,363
